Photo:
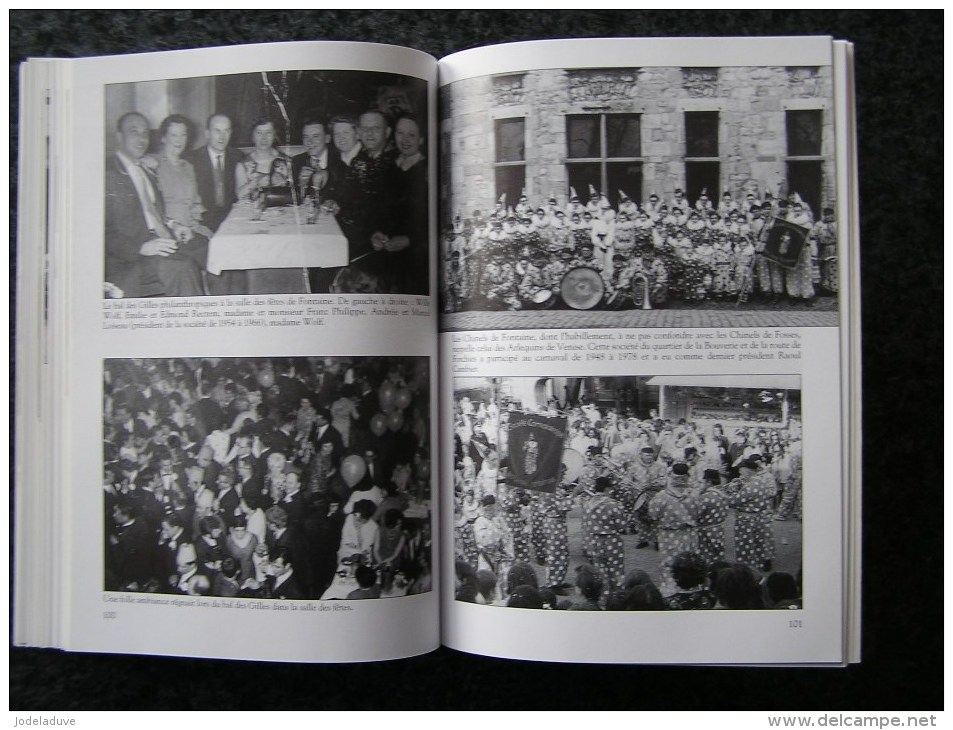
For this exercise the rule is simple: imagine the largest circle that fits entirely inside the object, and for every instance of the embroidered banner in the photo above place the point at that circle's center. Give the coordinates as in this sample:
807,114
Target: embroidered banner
535,451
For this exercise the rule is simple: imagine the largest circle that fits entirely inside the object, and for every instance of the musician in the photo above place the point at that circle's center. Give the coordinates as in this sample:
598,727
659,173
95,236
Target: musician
534,279
824,234
628,206
712,511
493,539
516,514
721,264
648,475
658,277
744,255
790,495
458,289
752,497
584,257
552,510
618,281
557,268
499,284
770,276
674,511
605,522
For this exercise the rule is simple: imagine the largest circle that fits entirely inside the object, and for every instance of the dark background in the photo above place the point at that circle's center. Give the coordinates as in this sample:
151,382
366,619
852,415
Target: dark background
899,68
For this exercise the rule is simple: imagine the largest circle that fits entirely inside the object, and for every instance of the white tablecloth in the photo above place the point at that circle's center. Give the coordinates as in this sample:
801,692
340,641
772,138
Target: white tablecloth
342,586
280,240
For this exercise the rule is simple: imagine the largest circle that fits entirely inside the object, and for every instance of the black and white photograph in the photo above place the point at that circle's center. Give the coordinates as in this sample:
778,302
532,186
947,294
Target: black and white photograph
276,182
628,493
268,478
639,197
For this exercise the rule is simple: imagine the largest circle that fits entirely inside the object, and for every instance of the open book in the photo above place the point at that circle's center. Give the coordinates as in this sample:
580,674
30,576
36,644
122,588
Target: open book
337,352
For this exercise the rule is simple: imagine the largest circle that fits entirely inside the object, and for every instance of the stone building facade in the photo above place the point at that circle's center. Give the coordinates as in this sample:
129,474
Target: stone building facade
641,130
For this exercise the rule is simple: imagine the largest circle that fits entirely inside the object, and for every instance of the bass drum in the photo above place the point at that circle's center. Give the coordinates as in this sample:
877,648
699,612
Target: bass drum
582,288
573,461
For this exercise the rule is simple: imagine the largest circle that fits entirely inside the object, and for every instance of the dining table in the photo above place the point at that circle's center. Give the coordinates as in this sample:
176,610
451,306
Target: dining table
276,246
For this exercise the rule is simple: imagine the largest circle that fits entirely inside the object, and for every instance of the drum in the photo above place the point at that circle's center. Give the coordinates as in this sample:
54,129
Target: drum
582,288
645,496
543,299
573,461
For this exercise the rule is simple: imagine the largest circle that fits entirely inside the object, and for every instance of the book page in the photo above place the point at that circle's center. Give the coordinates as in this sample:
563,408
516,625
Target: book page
641,335
248,351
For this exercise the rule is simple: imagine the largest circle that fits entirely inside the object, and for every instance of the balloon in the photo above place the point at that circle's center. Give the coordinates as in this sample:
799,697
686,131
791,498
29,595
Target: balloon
353,470
395,420
402,398
386,396
378,424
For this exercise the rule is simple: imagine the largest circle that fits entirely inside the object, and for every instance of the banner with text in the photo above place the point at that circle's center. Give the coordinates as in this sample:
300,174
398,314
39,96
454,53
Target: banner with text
535,451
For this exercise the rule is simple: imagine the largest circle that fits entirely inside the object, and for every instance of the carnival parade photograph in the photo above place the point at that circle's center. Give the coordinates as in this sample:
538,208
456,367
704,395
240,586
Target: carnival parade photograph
276,182
609,197
630,493
267,478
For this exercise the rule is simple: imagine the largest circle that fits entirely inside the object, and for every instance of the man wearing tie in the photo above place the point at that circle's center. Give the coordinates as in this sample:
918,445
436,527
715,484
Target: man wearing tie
316,169
142,256
214,166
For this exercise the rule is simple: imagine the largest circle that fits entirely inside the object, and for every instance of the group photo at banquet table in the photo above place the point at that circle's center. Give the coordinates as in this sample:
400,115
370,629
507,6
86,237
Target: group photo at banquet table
276,182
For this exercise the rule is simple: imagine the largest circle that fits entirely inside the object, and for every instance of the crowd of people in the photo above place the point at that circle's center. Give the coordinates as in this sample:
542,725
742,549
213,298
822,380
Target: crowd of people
643,254
690,493
164,203
267,478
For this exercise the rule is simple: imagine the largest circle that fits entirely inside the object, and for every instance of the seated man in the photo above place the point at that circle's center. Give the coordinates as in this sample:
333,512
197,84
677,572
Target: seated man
315,170
214,164
142,256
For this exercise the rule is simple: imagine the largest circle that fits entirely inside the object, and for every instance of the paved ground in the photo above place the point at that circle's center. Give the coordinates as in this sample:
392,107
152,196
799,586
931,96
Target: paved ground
822,314
787,544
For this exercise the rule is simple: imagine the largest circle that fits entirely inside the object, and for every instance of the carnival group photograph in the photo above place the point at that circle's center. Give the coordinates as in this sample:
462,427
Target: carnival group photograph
634,493
276,182
299,478
636,189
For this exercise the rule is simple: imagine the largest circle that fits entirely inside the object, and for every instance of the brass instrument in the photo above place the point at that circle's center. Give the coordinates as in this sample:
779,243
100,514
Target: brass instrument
646,290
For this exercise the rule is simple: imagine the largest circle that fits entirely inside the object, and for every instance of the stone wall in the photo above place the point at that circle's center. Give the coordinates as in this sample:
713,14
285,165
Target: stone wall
752,103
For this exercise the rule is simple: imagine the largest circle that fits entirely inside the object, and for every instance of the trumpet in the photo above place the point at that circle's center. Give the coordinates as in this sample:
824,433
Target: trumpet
641,281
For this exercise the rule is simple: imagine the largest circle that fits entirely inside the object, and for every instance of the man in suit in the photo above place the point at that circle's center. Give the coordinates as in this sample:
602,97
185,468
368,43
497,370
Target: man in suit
315,171
131,549
226,496
324,432
214,164
282,571
285,537
142,256
292,500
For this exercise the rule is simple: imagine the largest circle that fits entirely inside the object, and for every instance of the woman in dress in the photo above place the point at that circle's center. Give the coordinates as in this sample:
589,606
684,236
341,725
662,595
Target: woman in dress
261,167
240,545
180,195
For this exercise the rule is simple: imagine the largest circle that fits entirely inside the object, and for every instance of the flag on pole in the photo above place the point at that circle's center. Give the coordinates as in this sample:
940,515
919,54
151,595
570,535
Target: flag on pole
535,451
